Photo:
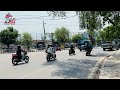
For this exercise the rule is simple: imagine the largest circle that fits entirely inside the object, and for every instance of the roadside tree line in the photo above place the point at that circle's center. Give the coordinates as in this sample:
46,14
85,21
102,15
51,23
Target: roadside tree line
94,21
10,36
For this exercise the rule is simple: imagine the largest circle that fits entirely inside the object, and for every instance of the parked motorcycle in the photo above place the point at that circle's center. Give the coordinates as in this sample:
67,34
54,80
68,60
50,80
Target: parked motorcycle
24,58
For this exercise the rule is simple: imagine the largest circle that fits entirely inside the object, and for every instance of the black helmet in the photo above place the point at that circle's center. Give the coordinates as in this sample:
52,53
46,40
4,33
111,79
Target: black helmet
19,47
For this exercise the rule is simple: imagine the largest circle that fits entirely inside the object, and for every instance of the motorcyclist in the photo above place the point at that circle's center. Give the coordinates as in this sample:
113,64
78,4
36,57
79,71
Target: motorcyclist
18,53
72,48
50,49
88,47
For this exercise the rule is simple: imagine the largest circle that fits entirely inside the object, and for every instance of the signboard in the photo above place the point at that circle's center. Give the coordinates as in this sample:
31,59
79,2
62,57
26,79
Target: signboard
9,20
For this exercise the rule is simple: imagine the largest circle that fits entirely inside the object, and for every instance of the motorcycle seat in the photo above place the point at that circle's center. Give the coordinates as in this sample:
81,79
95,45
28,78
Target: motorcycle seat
14,55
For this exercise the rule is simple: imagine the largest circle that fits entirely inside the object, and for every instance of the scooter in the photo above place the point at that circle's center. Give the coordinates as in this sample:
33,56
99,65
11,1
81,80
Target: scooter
71,51
88,51
50,57
15,59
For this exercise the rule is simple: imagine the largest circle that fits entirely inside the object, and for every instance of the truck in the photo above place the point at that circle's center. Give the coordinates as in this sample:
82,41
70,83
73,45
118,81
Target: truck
82,43
111,45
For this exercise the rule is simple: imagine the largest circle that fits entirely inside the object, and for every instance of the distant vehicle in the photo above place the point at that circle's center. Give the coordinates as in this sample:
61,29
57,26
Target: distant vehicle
41,46
82,43
67,45
118,44
111,45
72,51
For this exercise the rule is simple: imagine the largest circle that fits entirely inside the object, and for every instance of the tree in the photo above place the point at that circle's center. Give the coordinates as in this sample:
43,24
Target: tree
19,40
109,33
27,40
8,36
95,20
69,40
90,20
62,34
76,38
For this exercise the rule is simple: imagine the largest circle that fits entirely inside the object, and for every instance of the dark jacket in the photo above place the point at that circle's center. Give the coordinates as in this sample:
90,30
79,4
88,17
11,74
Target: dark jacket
72,47
88,48
19,53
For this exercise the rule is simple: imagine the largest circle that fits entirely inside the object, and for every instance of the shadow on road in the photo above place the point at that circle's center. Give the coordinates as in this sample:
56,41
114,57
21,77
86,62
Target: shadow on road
109,50
73,68
20,63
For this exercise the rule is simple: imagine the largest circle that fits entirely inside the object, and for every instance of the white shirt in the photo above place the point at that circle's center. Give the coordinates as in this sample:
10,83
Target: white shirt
50,50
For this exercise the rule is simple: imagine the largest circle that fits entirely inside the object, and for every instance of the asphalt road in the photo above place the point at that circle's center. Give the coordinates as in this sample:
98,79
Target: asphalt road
77,66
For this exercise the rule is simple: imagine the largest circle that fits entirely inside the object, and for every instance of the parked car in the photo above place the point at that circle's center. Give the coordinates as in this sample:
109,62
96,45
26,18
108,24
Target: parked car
111,45
67,45
118,44
41,47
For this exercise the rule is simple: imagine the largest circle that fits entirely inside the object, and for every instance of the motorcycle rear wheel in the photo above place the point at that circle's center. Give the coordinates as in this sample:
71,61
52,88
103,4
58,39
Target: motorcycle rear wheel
14,62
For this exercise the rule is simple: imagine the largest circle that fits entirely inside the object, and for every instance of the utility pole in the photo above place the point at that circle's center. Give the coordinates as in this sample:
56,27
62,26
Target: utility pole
44,31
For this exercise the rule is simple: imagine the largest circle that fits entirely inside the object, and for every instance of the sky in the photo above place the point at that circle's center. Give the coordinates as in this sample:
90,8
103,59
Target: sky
32,22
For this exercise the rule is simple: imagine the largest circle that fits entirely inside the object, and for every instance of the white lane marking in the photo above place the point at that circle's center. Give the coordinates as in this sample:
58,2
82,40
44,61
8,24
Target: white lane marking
33,72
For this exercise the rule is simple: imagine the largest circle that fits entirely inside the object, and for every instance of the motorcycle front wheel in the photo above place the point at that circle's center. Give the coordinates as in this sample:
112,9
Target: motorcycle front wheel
55,57
26,59
48,57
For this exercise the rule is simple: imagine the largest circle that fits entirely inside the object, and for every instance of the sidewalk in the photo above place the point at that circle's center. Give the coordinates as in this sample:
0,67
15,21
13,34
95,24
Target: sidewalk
111,67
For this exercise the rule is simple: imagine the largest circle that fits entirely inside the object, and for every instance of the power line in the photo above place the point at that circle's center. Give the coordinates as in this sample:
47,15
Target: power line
42,18
46,24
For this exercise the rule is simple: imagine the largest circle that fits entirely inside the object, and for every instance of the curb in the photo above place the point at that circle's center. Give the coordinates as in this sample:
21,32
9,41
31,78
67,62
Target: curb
96,70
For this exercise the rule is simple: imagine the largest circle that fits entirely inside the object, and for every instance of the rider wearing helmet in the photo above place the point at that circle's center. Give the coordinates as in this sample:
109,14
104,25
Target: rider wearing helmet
50,49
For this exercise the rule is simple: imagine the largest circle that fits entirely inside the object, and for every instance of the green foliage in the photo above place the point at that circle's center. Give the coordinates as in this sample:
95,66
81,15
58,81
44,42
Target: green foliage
111,32
76,38
69,40
112,17
62,34
8,36
26,39
95,20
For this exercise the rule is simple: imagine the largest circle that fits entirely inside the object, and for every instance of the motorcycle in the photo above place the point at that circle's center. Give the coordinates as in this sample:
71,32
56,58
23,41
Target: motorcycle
50,57
88,51
71,51
15,59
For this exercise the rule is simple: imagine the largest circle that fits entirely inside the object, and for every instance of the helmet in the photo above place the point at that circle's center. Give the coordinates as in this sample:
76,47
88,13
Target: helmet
19,47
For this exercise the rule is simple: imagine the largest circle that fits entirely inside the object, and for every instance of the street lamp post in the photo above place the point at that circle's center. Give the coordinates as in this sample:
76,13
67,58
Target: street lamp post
44,31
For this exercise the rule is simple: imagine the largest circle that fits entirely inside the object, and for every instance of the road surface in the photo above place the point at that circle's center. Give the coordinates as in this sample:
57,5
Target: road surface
77,66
